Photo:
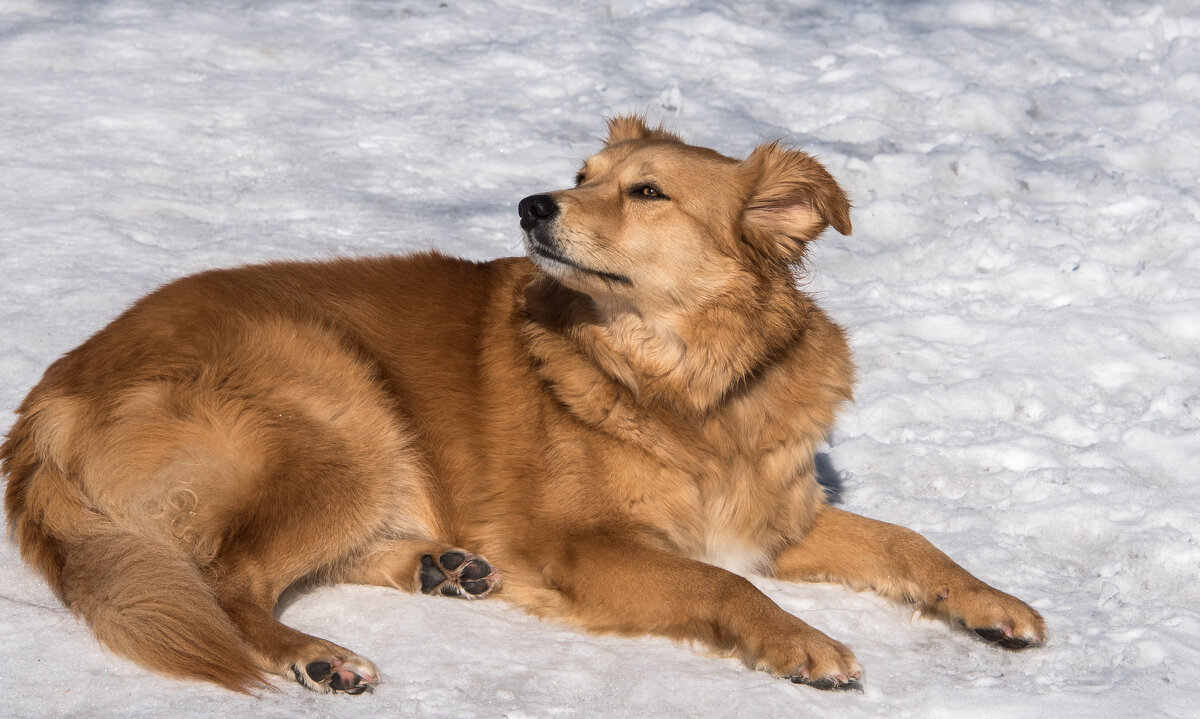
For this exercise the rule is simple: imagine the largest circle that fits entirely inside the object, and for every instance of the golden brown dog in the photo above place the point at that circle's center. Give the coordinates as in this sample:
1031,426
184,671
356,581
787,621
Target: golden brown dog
618,424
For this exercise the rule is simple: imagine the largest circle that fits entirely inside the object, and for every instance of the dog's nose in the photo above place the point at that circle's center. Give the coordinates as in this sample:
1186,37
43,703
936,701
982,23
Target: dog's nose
536,209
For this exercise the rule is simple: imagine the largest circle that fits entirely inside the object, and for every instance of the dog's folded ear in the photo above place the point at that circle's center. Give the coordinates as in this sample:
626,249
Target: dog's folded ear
633,127
792,200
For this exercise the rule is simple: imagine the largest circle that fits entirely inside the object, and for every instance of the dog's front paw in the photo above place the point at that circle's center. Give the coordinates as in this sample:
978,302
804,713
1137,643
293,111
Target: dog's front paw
457,573
330,674
994,616
807,656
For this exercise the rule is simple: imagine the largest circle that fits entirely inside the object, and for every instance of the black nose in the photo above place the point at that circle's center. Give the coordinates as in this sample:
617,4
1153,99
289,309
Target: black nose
535,210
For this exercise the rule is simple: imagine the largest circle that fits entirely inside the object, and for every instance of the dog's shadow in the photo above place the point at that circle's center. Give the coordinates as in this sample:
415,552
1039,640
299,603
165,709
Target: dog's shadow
829,478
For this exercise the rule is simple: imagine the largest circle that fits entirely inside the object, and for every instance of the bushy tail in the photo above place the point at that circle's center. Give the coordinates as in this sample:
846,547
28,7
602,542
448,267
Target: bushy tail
149,603
143,597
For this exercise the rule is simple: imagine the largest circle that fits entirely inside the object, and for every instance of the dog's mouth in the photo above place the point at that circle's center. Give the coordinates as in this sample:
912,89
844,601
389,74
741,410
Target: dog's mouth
540,249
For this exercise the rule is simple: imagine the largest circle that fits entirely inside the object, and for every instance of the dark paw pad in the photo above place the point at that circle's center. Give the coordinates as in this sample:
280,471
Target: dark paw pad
456,573
347,676
452,560
1001,639
431,576
319,671
475,587
347,681
476,569
830,684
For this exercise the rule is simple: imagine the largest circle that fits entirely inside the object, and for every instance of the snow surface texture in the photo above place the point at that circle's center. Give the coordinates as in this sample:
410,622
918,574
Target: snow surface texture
1022,292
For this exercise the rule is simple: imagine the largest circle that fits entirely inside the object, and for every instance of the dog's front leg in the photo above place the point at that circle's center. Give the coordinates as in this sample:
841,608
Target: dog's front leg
613,583
902,565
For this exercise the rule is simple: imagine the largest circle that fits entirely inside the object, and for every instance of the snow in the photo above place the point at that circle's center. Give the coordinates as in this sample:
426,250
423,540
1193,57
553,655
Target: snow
1022,292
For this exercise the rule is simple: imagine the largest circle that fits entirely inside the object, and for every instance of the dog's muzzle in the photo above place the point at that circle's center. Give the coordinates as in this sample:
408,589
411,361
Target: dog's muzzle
537,214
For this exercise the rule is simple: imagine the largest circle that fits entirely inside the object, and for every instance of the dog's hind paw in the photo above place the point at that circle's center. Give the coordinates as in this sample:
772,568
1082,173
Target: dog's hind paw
335,675
458,573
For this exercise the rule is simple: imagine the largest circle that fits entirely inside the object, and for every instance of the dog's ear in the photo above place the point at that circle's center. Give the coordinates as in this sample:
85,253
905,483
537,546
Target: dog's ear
792,199
633,127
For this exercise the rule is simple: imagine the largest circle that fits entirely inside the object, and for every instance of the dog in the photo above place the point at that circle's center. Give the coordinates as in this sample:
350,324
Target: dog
608,432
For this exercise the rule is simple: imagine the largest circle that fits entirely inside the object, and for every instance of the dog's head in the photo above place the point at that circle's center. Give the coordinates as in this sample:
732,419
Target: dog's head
657,223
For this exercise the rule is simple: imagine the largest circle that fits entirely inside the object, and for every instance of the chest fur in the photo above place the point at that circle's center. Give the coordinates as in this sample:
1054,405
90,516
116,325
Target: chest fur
727,487
707,444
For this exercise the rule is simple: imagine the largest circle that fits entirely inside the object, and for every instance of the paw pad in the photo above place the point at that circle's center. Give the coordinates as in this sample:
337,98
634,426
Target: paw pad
1002,639
457,573
335,675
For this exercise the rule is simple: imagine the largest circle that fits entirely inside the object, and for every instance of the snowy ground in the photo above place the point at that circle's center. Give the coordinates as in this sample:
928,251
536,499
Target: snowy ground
1022,291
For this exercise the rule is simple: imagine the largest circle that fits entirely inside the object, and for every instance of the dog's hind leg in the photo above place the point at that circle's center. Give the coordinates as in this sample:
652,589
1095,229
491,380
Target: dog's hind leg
902,565
429,567
248,596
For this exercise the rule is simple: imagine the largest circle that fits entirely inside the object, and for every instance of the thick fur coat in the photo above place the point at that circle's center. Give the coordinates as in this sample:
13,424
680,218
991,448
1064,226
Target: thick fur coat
606,433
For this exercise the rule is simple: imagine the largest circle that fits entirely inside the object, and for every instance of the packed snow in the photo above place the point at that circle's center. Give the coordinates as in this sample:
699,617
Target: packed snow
1022,292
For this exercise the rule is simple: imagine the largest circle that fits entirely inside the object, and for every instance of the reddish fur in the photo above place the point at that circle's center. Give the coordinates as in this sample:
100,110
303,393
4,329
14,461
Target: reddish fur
601,444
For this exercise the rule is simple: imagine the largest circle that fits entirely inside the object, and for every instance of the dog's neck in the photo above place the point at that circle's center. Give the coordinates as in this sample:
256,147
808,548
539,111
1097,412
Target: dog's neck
687,361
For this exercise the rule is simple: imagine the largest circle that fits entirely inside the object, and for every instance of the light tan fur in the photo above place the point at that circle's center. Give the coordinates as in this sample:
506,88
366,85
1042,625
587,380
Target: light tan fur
614,428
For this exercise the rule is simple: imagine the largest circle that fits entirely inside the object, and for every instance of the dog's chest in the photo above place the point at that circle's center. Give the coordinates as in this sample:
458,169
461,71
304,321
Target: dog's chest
729,493
728,480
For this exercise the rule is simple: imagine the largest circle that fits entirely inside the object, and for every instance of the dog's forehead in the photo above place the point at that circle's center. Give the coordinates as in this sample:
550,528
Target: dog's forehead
646,157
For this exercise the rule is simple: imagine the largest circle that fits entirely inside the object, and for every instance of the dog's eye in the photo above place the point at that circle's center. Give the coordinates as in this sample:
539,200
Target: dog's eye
579,178
647,191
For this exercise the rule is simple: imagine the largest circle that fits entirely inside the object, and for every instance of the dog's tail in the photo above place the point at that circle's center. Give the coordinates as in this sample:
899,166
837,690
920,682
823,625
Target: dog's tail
144,598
